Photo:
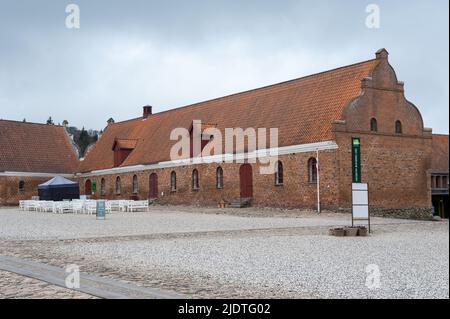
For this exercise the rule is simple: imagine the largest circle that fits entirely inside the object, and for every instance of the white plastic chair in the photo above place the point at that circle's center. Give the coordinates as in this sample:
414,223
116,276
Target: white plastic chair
90,207
77,207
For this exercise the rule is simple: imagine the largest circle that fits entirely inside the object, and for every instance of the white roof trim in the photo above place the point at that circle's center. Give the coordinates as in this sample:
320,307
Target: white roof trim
34,174
292,149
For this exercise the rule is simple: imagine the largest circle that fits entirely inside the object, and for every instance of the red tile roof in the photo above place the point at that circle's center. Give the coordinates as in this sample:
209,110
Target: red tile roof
40,148
302,109
440,157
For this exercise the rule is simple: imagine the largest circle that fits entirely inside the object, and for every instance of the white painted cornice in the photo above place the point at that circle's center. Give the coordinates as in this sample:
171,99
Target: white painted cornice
227,158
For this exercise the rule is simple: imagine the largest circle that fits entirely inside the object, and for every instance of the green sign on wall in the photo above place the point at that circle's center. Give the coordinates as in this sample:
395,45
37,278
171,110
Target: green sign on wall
356,160
94,187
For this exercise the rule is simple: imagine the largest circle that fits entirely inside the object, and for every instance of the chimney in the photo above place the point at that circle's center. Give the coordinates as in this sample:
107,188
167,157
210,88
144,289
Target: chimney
382,54
147,111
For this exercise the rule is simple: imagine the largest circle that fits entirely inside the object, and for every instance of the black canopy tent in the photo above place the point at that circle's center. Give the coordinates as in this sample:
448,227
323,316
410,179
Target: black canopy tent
58,189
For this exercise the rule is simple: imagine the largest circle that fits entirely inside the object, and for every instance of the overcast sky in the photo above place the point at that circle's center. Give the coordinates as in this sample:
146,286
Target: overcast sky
172,53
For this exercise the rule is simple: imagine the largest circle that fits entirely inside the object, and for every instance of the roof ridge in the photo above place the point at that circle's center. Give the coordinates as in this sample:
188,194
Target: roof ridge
124,121
32,123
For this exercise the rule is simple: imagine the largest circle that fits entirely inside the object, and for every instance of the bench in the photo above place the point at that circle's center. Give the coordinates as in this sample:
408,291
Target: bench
137,205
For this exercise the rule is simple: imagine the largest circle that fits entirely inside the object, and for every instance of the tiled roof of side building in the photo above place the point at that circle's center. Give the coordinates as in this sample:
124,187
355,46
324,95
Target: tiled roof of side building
440,157
302,109
39,148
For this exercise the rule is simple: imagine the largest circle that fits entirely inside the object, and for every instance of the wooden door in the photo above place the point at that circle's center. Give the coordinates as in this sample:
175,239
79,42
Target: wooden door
246,181
88,187
153,186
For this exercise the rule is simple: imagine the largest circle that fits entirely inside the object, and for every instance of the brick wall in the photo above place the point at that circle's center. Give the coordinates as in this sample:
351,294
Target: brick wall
9,188
296,190
395,168
395,183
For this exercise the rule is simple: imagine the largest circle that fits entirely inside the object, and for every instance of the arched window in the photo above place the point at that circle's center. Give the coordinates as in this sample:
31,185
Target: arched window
373,125
219,177
118,186
195,181
312,170
398,127
21,186
279,173
103,187
135,184
173,181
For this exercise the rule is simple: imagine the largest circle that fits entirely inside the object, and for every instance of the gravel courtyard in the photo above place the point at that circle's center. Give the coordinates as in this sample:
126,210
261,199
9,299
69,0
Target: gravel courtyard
206,252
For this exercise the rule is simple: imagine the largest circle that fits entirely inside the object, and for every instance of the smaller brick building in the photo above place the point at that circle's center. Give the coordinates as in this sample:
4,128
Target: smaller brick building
439,175
31,154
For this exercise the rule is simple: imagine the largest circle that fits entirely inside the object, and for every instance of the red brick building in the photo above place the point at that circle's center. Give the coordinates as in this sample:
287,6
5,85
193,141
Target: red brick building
31,154
321,112
317,114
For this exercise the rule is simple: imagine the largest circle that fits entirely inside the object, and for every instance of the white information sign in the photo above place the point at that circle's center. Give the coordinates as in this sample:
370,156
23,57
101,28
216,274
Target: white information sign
360,212
360,202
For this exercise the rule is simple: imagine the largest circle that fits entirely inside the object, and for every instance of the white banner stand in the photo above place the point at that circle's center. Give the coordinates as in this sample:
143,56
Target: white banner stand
360,203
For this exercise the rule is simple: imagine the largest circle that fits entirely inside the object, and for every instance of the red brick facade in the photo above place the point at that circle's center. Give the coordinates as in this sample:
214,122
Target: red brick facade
296,191
364,100
12,190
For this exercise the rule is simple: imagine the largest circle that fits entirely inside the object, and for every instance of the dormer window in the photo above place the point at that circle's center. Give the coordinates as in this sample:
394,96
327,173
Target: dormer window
198,128
122,148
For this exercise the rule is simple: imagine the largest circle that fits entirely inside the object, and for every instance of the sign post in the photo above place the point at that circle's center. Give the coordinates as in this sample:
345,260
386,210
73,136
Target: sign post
100,209
360,191
318,182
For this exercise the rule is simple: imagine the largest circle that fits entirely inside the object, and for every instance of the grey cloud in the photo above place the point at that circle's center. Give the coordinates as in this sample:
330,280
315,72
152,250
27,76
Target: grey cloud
172,53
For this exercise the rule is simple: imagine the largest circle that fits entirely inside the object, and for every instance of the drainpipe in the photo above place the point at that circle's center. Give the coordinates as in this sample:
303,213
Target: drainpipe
318,181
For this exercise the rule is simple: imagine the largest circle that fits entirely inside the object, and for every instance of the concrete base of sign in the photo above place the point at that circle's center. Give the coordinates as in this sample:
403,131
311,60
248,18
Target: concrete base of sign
349,231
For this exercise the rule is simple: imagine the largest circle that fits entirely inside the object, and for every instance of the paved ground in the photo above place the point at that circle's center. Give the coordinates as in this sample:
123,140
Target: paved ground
14,286
38,226
244,253
85,283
